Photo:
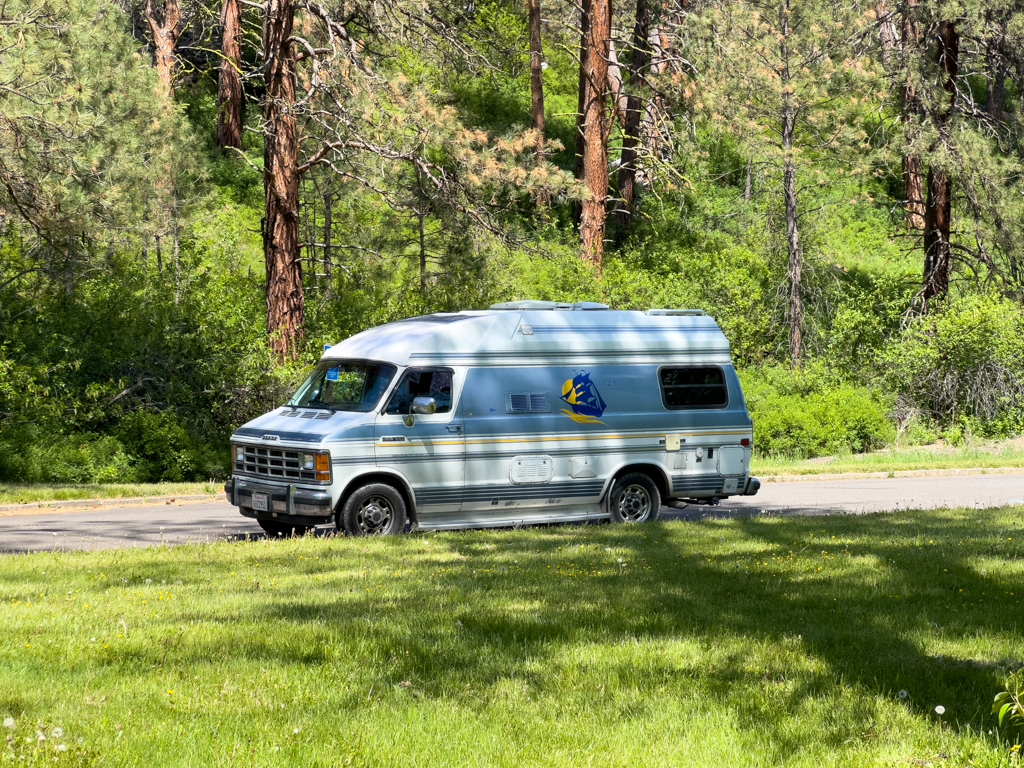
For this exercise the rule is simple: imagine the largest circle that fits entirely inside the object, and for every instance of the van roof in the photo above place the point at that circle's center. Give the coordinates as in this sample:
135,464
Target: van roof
541,335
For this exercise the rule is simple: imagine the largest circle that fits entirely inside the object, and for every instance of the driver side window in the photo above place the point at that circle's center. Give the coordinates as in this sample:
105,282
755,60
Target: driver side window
435,383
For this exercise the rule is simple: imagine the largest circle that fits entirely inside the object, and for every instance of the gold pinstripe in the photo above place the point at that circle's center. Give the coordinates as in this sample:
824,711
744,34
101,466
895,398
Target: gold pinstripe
479,441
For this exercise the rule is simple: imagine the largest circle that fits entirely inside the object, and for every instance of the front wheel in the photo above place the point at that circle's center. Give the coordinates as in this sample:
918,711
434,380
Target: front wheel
376,509
275,528
634,498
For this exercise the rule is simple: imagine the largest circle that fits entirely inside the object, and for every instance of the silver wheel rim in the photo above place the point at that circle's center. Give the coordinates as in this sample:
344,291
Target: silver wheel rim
634,504
374,516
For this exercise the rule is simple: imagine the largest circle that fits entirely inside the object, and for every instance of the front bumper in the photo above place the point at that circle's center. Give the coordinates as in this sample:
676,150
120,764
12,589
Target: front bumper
287,503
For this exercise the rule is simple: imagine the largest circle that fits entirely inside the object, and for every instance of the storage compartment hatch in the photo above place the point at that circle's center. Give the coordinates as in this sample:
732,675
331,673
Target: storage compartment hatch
531,469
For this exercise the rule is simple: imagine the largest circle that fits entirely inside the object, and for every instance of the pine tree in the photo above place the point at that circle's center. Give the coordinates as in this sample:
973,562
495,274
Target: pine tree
781,74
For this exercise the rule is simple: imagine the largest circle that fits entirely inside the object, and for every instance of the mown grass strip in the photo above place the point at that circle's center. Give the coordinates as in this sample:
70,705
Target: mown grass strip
756,641
981,457
15,493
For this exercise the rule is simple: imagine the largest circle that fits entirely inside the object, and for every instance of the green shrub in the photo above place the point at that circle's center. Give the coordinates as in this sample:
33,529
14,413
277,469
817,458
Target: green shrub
964,366
807,413
29,457
161,449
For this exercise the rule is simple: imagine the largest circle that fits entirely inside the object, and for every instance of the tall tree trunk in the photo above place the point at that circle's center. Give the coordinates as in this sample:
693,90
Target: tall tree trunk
640,60
595,132
174,254
229,79
423,253
996,88
888,36
581,141
537,95
616,86
328,202
938,210
910,105
285,310
165,38
795,264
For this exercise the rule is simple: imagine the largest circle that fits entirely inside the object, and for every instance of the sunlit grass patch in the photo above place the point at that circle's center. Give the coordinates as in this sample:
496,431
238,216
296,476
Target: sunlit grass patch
747,642
995,454
16,493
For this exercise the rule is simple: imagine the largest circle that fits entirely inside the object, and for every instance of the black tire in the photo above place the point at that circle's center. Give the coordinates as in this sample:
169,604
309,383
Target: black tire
275,528
375,509
634,498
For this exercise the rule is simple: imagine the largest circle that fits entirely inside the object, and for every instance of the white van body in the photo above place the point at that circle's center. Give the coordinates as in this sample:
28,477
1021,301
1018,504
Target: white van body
538,409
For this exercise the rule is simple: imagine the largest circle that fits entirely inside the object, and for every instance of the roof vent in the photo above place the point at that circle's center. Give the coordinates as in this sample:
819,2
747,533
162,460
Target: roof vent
677,312
528,304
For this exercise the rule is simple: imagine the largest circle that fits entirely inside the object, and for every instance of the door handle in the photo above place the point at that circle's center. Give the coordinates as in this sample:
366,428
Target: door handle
457,428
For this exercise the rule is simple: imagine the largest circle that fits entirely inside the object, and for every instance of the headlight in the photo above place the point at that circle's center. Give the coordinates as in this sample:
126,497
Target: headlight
307,461
239,453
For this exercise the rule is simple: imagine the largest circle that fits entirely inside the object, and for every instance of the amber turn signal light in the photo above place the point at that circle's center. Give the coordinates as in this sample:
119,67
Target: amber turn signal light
323,466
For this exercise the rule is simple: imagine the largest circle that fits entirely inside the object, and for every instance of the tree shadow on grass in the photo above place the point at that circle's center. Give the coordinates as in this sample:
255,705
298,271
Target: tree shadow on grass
684,612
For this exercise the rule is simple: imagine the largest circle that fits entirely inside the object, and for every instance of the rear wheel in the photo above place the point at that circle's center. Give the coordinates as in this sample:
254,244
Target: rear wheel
276,528
375,509
634,498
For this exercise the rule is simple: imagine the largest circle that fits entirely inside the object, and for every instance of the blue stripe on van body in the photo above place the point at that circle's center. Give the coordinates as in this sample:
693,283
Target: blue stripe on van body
509,492
696,484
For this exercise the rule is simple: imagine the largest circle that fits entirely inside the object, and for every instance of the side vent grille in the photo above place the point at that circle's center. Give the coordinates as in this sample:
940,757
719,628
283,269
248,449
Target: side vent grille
308,414
289,413
324,416
526,402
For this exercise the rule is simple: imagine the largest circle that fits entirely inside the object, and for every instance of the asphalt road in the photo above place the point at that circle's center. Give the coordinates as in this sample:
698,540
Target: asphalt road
182,522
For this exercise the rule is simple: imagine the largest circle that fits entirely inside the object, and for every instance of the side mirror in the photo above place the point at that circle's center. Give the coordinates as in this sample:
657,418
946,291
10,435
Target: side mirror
422,405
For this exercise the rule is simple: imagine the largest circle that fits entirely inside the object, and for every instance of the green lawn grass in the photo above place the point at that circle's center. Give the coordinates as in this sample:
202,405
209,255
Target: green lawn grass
740,642
14,493
985,455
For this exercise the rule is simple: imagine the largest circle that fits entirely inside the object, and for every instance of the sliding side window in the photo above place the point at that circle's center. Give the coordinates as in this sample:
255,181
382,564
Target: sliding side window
683,388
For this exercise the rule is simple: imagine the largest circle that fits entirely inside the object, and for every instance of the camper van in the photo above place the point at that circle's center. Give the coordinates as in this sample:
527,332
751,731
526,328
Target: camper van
528,412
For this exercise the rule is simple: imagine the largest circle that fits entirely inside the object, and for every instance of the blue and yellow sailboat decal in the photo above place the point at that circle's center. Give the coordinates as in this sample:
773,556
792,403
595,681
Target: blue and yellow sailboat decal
581,395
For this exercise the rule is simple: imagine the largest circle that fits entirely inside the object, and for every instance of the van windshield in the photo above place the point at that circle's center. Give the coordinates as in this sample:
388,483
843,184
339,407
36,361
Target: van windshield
344,385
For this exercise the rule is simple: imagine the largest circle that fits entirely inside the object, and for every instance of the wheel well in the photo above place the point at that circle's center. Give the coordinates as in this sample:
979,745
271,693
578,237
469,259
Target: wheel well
382,477
656,473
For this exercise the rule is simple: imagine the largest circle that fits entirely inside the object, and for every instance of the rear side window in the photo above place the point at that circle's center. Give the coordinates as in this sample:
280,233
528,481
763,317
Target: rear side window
693,388
435,383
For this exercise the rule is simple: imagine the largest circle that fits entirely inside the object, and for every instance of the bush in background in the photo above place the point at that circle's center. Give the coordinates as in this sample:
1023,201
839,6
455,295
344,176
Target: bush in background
807,412
963,366
30,457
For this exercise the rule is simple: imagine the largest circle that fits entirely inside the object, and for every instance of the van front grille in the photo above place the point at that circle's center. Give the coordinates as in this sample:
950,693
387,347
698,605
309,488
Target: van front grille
273,463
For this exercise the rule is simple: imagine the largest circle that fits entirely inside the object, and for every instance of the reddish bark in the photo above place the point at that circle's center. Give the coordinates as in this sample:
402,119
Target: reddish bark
229,79
537,94
165,35
285,310
938,209
595,133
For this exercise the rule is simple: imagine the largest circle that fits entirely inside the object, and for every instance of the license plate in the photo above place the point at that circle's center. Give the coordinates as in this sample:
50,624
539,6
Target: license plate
261,502
731,485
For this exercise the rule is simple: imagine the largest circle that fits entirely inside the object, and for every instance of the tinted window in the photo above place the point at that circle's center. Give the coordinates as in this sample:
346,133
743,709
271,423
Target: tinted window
693,388
431,383
342,385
